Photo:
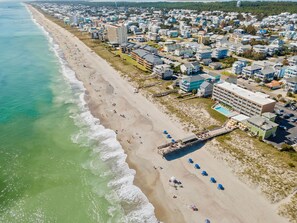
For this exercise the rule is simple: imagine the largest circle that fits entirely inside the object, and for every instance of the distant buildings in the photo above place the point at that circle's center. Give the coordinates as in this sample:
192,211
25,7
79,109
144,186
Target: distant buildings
242,100
219,53
291,71
117,34
203,54
291,84
250,71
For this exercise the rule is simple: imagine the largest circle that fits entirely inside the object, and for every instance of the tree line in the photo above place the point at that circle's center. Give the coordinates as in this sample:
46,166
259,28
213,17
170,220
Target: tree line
258,8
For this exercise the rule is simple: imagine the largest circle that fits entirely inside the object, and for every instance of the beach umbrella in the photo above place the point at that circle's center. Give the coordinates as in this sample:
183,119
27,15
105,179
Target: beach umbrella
204,173
207,221
213,180
190,160
197,166
220,187
173,141
168,136
165,132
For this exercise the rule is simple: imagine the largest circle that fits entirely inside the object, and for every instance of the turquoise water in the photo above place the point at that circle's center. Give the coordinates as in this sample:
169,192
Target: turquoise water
223,110
57,163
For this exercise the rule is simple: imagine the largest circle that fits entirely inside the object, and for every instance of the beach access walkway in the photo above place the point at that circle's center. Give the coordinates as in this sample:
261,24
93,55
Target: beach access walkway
194,139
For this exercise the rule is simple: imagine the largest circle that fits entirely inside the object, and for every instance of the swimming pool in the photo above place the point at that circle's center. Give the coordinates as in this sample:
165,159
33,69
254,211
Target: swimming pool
223,111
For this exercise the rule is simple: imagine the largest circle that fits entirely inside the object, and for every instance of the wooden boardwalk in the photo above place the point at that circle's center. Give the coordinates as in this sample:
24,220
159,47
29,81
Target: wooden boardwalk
192,140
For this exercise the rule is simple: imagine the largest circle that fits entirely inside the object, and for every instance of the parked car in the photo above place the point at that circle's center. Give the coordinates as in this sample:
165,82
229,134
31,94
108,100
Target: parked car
287,116
283,127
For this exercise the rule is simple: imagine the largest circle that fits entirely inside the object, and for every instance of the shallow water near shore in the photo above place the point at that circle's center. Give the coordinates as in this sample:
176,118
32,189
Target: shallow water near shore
57,163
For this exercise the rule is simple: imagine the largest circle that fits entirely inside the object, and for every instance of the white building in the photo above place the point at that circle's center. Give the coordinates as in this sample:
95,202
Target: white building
203,54
291,71
117,34
238,66
241,100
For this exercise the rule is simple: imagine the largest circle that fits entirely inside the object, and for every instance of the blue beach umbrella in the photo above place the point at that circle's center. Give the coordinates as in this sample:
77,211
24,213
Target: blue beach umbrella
172,140
165,132
207,221
169,136
213,180
197,166
190,160
220,187
204,173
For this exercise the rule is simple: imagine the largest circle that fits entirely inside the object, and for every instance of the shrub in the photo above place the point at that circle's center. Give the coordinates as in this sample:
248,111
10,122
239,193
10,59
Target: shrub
286,147
289,94
291,165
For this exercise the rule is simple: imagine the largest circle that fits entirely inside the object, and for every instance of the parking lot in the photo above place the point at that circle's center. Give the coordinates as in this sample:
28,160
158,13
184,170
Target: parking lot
287,130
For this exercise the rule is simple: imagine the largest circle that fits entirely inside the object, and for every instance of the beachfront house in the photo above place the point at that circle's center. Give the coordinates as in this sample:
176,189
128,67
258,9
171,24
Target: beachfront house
190,83
205,89
261,127
163,71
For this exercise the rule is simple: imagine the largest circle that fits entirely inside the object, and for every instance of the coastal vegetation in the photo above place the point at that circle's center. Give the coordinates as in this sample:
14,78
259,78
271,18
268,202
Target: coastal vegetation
261,164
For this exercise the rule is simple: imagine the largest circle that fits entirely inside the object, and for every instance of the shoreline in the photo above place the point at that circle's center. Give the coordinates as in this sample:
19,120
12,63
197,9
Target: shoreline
135,121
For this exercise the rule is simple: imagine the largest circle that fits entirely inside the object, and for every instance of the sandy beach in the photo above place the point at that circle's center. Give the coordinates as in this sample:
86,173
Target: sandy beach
139,125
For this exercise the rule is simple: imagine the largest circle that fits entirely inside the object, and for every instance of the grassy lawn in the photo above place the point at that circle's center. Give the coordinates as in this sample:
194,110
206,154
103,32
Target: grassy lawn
213,113
153,44
227,73
128,59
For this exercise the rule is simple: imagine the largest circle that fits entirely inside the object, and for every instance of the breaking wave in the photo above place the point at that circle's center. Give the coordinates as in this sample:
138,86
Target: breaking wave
104,148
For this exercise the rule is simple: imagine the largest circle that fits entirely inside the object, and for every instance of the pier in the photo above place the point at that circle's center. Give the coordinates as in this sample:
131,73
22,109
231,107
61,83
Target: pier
193,140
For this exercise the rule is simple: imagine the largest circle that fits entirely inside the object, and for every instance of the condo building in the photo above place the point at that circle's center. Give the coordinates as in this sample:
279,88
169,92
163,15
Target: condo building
117,34
241,100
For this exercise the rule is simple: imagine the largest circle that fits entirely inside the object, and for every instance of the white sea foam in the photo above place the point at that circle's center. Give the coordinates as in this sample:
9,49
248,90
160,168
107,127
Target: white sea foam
104,145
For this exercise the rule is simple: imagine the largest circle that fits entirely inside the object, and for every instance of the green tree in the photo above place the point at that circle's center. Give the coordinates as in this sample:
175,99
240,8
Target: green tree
250,29
289,94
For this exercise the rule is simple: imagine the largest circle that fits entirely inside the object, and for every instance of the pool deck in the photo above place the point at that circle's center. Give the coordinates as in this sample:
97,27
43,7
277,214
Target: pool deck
231,113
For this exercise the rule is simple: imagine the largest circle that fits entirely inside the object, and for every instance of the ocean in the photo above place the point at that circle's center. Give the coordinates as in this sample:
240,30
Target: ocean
57,163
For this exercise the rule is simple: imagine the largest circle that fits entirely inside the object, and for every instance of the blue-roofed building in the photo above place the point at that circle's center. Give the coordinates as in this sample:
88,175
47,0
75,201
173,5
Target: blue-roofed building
190,83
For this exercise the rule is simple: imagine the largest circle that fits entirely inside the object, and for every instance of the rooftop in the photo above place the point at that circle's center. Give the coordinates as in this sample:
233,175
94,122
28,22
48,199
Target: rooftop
257,97
262,122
